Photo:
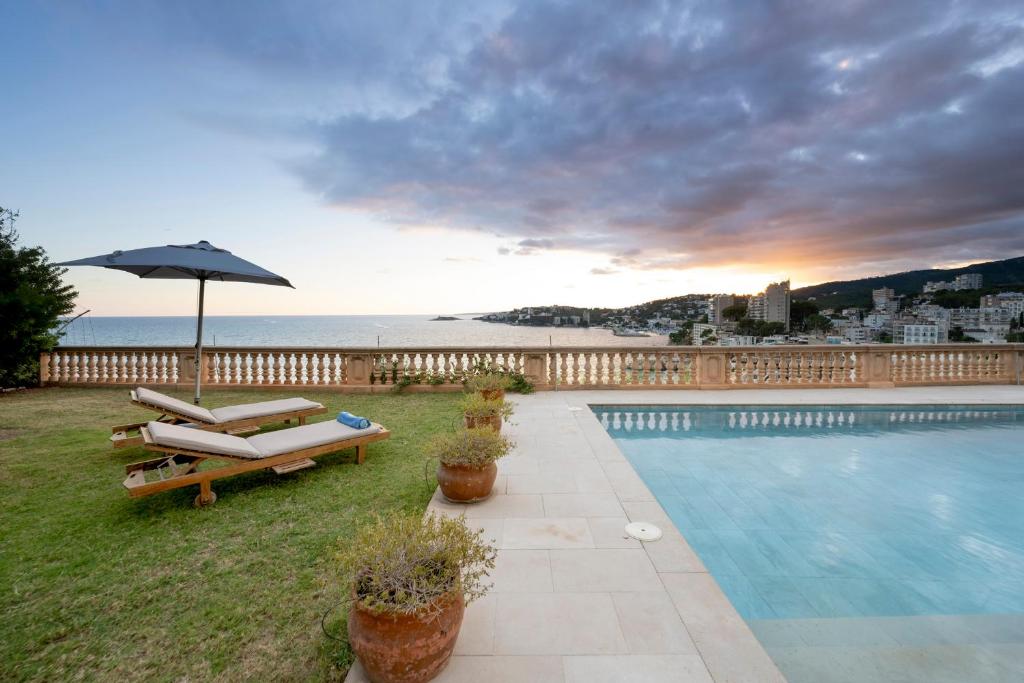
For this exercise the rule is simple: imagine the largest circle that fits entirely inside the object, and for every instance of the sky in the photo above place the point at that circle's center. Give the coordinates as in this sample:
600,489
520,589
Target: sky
459,156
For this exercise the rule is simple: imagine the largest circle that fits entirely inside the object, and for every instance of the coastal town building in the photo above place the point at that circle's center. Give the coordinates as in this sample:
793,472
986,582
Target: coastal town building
704,334
885,300
919,333
772,305
958,284
717,304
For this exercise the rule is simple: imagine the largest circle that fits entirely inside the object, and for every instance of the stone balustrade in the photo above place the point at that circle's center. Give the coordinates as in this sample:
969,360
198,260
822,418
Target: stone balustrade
443,368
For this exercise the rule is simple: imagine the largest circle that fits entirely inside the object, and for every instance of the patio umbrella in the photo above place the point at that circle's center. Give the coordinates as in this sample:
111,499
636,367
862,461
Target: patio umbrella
200,261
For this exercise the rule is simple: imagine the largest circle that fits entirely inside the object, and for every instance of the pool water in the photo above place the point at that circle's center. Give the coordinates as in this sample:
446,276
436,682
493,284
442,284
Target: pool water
869,527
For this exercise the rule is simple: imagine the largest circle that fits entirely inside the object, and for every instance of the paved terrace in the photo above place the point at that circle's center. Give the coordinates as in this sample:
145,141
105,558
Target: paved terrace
574,599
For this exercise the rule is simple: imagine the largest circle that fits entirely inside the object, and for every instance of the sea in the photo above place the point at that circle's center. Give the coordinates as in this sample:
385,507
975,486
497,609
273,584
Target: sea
333,331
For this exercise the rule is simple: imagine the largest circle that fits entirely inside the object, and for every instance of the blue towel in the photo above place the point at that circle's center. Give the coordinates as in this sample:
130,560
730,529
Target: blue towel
353,421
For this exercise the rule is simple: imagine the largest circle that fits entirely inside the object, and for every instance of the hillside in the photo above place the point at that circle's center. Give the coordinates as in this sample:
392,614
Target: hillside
839,294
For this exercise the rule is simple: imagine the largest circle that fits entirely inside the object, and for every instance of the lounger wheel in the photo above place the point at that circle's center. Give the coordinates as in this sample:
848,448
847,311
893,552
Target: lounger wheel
199,502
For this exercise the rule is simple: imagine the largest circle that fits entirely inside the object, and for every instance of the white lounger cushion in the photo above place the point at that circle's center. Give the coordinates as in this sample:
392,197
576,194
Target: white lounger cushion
177,436
307,436
262,409
155,398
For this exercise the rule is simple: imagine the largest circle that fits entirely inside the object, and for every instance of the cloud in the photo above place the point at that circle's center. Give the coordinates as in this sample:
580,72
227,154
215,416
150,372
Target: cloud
461,259
603,271
662,135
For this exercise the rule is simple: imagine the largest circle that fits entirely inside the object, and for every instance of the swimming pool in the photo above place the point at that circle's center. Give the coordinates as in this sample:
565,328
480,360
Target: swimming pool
858,542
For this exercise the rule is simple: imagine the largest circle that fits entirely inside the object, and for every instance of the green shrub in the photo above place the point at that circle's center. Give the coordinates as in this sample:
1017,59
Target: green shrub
402,564
475,447
476,406
519,384
487,382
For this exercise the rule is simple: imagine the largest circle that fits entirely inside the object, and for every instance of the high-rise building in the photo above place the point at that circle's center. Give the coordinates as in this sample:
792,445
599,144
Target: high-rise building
777,303
772,305
967,281
885,300
717,304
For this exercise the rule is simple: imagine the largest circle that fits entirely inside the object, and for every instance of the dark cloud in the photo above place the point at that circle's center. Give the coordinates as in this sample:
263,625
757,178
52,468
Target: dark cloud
663,134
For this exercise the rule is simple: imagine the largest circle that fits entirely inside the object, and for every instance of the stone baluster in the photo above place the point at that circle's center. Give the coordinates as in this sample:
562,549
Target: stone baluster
289,368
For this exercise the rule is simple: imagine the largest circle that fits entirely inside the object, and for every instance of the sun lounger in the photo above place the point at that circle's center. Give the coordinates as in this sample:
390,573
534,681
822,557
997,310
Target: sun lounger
230,419
284,450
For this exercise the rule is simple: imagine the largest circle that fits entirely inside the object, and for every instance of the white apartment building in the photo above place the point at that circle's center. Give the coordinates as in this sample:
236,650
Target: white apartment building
932,287
878,321
967,281
990,334
699,336
857,334
959,283
919,333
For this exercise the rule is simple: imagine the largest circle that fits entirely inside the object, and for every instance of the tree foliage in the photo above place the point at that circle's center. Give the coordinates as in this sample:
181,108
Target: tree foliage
817,323
735,312
32,300
759,328
799,311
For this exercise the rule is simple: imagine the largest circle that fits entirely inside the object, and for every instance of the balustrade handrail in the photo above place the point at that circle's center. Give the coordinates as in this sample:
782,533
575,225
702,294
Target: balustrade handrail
548,367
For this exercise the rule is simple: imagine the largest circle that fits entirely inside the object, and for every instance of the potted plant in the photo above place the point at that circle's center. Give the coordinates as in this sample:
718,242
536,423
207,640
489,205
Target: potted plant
490,384
467,469
484,412
411,580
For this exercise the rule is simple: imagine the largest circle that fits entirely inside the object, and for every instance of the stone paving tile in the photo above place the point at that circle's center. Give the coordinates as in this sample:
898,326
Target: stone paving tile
491,669
519,464
582,505
603,570
547,532
507,506
557,623
477,634
542,483
493,529
636,669
522,571
610,532
651,624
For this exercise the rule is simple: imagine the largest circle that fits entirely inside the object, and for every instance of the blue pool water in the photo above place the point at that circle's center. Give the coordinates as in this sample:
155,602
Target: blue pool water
803,512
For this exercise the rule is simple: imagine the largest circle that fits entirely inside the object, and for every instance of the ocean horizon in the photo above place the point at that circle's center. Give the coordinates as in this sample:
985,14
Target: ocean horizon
332,331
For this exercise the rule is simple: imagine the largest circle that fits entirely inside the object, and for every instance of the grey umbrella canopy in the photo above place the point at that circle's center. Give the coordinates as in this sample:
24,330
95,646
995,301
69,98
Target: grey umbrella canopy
200,261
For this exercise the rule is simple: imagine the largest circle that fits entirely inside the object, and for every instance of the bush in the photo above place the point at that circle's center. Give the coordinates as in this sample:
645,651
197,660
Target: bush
517,381
402,564
476,406
519,384
475,447
487,382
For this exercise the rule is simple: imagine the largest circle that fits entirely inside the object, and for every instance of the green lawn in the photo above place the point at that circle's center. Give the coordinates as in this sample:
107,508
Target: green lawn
97,586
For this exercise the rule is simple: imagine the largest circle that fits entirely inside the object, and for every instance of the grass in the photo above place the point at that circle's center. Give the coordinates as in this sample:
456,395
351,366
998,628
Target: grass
97,586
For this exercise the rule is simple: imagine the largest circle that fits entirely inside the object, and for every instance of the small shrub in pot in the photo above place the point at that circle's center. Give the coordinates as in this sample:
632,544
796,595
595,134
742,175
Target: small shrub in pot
490,385
411,580
479,411
467,469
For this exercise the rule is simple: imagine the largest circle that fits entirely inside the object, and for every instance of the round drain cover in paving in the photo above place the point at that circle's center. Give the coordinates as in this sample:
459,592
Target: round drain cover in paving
643,531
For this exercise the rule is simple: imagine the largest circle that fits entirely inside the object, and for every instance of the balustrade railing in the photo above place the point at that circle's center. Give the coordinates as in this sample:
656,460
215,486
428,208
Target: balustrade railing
441,368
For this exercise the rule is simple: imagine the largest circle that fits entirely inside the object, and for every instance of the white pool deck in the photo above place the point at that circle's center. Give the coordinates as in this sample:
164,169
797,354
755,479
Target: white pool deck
574,599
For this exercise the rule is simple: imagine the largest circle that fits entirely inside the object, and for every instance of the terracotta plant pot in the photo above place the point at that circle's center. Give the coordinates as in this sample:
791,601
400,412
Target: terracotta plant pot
400,648
466,484
491,394
494,422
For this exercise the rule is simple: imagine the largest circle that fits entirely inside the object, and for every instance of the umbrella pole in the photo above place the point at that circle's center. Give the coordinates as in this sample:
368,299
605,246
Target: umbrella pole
199,339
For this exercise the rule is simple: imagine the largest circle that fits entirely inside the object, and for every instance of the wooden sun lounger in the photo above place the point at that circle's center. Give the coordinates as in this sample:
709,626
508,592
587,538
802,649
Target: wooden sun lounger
178,467
130,434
